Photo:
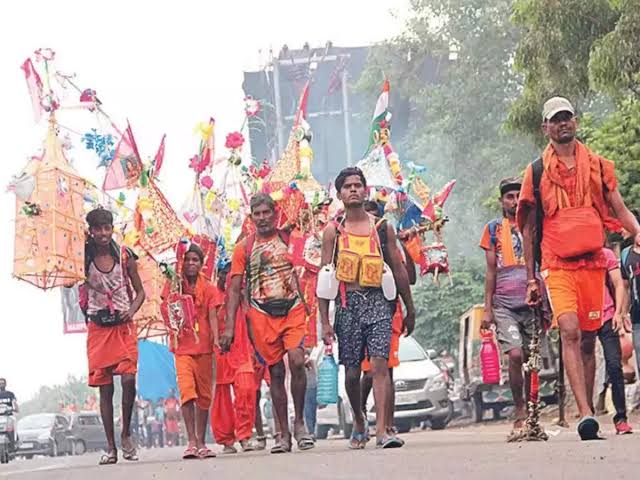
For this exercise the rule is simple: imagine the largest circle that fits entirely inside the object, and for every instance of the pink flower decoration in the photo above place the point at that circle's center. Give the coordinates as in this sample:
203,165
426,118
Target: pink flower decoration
197,164
207,182
234,140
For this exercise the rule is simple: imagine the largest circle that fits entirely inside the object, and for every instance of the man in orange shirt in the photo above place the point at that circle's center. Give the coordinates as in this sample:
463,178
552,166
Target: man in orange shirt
233,420
565,199
194,355
276,315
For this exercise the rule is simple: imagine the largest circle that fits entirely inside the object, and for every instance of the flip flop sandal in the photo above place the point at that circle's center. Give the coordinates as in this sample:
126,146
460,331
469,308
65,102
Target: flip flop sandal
190,453
588,429
110,458
389,442
304,440
515,435
358,440
247,445
130,455
281,445
206,453
261,443
229,450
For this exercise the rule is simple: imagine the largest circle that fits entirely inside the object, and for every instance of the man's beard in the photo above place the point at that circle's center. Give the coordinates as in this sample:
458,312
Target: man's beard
566,139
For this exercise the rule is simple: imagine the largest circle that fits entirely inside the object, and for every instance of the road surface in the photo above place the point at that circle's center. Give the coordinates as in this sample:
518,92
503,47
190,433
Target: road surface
474,452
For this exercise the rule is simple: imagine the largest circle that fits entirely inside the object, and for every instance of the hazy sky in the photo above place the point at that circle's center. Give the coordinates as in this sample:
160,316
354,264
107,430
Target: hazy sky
163,65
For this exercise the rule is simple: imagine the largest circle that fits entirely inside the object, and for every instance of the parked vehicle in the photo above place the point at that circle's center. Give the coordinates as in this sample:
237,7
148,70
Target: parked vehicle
421,390
498,397
43,434
86,432
8,440
421,394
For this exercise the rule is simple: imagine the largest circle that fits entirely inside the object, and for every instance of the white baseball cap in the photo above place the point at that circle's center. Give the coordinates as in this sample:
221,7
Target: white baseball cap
556,105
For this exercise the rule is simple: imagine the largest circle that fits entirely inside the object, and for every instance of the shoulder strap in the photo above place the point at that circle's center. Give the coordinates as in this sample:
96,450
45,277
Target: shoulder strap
624,256
381,229
537,170
493,227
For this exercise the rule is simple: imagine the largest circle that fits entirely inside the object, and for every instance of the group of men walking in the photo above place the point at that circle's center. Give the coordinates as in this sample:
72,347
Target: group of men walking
254,315
546,250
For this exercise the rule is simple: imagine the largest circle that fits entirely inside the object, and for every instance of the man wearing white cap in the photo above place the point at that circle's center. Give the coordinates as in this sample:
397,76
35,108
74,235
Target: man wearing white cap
564,208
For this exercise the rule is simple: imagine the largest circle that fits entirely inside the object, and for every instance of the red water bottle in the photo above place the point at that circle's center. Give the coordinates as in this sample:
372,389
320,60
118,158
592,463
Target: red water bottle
489,359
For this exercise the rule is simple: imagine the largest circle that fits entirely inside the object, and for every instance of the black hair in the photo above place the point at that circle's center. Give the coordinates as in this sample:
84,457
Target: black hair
193,248
262,199
99,216
373,205
348,172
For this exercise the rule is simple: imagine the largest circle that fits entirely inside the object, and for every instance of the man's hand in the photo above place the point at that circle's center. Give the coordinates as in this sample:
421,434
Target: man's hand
327,333
533,293
409,323
128,315
617,323
488,319
226,340
626,323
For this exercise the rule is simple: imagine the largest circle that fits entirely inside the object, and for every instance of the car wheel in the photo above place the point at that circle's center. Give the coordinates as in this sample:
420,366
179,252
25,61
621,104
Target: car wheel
323,431
439,423
497,413
79,448
342,422
477,408
404,426
28,457
54,450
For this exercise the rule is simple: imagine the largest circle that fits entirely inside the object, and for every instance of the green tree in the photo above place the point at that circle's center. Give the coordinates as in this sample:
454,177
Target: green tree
439,309
553,54
457,131
457,119
50,399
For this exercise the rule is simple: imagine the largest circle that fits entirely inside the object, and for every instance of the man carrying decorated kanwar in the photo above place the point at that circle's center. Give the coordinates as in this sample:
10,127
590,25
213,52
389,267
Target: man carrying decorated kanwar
505,292
565,203
276,314
363,320
232,419
112,294
193,349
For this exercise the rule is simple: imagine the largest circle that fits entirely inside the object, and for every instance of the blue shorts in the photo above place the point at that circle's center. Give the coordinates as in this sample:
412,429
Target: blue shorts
363,325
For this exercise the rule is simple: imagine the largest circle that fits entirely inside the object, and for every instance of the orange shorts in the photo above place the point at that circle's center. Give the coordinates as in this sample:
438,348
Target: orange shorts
111,351
274,336
195,379
576,291
394,360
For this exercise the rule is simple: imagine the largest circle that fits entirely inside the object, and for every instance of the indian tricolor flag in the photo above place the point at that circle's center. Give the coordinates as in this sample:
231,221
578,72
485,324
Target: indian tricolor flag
380,111
382,104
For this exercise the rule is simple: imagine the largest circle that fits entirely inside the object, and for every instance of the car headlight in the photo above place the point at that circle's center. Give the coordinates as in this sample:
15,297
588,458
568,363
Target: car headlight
436,383
43,437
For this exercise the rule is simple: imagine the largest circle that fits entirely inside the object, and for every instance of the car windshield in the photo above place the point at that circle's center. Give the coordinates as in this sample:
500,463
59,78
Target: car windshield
410,350
36,422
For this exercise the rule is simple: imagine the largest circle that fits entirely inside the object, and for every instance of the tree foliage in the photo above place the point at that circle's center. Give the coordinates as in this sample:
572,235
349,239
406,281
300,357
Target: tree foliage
439,309
50,399
465,49
553,54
